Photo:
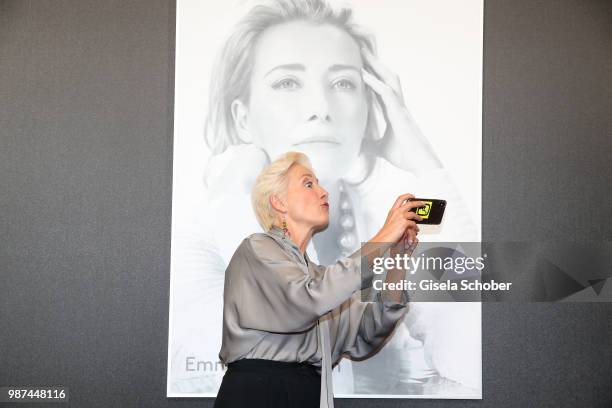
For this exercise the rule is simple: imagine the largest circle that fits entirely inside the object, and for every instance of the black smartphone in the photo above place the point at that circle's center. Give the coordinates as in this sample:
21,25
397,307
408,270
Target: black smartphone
432,212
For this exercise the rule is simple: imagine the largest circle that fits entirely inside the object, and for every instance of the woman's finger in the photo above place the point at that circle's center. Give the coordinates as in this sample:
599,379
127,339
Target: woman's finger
410,241
386,93
411,215
413,204
405,238
411,236
410,224
384,73
414,245
401,199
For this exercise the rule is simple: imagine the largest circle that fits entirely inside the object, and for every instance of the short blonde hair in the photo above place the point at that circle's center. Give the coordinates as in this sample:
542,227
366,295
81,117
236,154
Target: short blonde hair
273,180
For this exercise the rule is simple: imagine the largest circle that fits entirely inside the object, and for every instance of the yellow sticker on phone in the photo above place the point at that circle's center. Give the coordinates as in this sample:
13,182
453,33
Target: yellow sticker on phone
425,210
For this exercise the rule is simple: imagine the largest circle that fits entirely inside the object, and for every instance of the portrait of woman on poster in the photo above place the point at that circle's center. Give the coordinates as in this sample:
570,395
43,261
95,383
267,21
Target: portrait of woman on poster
287,320
301,75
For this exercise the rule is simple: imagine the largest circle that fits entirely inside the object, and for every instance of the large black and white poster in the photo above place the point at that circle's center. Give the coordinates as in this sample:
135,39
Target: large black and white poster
385,98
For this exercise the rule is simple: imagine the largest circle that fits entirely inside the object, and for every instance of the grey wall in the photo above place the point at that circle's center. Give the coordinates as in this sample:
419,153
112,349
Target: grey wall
86,94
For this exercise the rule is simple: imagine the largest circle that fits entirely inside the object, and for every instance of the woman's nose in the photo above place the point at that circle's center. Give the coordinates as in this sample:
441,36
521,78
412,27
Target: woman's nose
324,193
317,107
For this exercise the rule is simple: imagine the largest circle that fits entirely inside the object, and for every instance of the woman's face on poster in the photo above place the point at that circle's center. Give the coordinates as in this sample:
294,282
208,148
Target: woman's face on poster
306,95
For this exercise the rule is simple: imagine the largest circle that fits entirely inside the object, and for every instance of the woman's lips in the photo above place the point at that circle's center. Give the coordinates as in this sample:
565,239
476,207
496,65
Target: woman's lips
318,139
325,205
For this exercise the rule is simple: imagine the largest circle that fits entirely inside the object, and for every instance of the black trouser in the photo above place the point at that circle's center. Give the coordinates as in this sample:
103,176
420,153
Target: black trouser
269,384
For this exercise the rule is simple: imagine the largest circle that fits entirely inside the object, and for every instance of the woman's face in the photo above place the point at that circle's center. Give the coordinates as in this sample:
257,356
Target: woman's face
307,95
306,201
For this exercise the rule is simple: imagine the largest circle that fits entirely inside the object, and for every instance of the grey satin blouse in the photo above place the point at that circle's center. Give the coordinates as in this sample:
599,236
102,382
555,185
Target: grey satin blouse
278,305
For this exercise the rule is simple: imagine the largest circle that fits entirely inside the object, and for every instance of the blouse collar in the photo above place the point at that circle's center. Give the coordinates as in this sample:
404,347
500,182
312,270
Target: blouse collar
274,230
278,232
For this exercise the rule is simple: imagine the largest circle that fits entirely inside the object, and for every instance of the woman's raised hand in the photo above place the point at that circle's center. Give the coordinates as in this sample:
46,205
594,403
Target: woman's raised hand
401,222
403,143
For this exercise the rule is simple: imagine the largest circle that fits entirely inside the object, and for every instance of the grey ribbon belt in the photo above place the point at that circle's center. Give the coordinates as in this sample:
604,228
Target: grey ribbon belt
327,391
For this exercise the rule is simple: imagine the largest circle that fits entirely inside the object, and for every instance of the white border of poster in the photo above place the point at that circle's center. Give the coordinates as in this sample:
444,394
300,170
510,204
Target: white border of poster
435,48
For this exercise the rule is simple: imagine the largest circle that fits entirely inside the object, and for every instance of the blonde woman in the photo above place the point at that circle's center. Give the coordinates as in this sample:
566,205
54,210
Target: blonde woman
287,320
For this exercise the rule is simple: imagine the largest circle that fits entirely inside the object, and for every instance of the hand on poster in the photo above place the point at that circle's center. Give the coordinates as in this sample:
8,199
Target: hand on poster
403,143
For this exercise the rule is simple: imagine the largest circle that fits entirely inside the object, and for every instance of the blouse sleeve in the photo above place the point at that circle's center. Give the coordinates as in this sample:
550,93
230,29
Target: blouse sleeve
276,292
359,328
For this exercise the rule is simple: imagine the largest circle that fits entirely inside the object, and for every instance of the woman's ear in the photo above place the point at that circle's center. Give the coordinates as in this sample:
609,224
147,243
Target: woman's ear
240,114
277,204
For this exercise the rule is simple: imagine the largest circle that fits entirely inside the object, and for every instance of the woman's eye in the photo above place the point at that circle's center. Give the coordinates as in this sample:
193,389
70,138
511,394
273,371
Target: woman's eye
343,84
286,83
308,184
